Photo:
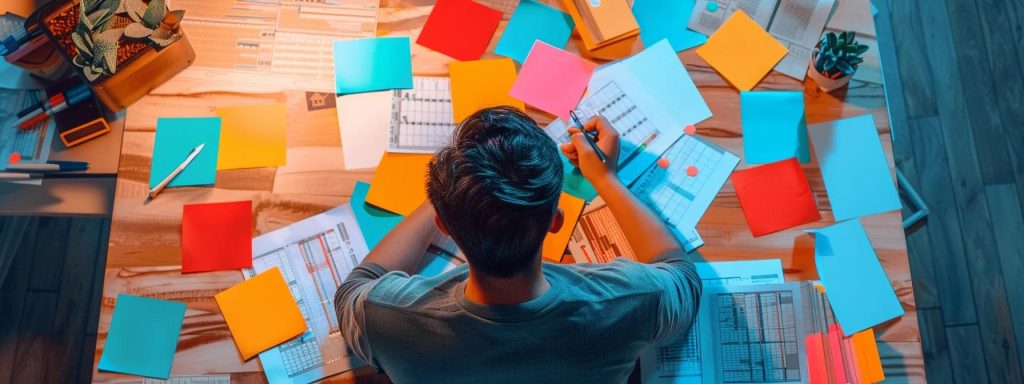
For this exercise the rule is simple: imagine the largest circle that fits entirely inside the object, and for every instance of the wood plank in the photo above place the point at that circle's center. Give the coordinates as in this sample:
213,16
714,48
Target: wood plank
1008,227
902,362
918,89
935,346
48,256
96,291
12,228
13,297
967,355
35,337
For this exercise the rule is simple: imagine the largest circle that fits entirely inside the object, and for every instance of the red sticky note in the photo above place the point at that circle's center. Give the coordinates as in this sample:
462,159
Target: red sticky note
459,28
835,337
775,196
216,236
816,371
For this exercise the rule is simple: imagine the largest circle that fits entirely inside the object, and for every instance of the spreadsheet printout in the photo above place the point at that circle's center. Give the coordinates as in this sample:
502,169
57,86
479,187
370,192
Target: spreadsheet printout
598,238
421,118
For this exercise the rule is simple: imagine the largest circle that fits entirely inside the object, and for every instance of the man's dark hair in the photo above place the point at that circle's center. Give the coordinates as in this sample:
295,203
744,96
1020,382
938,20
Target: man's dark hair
496,188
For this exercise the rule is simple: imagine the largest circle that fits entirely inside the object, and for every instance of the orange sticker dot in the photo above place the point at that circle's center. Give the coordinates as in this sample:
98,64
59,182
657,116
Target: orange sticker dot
690,129
691,171
15,158
663,162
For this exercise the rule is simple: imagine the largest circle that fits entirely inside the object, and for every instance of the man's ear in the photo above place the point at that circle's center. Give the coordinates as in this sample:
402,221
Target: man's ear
557,221
440,226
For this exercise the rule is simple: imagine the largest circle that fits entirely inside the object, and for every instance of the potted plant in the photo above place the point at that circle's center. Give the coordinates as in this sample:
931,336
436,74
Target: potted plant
835,60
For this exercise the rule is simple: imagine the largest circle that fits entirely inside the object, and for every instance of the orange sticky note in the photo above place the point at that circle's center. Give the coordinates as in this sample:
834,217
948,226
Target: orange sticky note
399,186
741,51
555,243
252,136
867,356
261,313
482,84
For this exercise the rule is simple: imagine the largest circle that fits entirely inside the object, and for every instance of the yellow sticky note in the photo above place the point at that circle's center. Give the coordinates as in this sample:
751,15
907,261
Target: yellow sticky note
399,185
481,84
555,243
260,313
252,136
741,51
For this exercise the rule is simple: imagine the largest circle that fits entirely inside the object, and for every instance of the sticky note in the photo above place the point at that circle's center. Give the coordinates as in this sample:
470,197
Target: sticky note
461,29
854,167
857,287
533,21
216,236
574,183
373,222
774,126
142,337
372,64
399,186
817,372
659,19
176,137
252,136
552,80
260,313
741,51
554,243
775,197
364,121
835,354
481,84
868,358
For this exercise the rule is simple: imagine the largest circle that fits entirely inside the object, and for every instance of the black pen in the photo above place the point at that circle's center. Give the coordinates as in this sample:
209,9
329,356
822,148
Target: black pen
586,136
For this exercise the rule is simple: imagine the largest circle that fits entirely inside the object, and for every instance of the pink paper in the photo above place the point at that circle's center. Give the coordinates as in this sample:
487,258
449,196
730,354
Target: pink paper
838,368
815,359
552,80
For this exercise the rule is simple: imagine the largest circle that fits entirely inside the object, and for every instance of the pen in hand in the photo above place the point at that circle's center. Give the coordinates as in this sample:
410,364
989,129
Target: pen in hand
587,136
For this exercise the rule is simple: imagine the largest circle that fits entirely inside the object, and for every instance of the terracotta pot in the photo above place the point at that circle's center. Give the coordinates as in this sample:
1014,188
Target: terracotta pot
826,84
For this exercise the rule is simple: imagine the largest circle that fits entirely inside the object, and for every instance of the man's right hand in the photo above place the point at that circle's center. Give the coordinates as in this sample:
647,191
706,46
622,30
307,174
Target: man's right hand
582,155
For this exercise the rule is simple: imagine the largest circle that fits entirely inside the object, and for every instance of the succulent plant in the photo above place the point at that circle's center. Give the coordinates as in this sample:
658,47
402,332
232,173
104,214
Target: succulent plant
153,21
838,55
96,40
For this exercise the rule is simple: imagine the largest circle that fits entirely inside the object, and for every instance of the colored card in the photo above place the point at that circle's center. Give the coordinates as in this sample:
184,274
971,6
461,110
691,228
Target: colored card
260,313
176,137
459,28
142,337
774,126
817,371
533,21
364,121
854,167
552,80
216,236
373,222
775,197
741,51
252,136
574,183
481,84
659,19
372,64
555,243
399,186
857,288
868,359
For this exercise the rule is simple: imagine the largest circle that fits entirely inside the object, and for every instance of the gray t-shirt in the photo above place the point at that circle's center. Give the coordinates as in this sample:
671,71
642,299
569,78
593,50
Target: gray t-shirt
589,327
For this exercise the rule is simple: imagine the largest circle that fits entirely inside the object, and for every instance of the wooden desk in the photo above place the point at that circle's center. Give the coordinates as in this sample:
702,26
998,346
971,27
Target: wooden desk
144,254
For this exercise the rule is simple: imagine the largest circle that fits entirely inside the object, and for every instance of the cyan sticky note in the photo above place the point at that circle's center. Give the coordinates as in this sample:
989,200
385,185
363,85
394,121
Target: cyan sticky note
855,283
574,183
143,336
659,19
375,223
372,64
533,21
774,126
854,167
176,137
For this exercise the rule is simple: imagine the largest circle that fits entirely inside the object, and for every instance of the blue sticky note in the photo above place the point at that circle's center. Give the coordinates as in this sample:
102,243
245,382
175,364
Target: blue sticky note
375,223
854,167
533,21
857,288
373,64
143,336
176,137
774,126
660,19
574,183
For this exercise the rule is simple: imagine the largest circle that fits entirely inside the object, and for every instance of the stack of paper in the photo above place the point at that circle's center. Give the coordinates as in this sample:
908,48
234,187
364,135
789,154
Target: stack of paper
606,21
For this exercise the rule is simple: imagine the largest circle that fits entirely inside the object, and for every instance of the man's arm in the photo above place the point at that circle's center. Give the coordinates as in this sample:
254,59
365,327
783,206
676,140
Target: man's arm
404,246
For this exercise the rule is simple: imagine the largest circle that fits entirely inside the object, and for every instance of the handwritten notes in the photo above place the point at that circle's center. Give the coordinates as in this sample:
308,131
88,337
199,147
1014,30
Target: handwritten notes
775,197
741,51
459,28
252,136
372,64
261,313
142,337
216,236
176,137
552,80
481,84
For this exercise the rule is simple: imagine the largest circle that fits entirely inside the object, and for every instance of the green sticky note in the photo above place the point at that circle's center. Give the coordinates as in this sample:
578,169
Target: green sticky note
659,19
533,21
373,64
375,223
143,336
176,137
574,183
774,126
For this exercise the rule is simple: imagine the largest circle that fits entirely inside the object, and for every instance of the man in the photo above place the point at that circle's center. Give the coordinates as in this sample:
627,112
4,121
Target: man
507,317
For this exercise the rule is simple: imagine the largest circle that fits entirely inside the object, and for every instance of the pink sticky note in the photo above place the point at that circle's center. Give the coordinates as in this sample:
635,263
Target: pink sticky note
835,336
216,236
552,80
817,373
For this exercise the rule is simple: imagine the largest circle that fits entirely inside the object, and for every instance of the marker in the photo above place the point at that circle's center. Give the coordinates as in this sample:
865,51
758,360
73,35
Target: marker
586,136
55,104
160,187
18,176
50,166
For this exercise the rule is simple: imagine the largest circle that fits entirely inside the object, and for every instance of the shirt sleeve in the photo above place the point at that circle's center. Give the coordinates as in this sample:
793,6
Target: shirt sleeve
349,302
680,298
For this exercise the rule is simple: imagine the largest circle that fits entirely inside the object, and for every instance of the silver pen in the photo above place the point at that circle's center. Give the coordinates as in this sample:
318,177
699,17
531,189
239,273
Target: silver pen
160,187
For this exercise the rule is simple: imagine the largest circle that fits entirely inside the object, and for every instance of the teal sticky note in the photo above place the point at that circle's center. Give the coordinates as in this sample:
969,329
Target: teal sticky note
373,64
855,283
176,137
533,21
659,19
774,126
574,183
375,223
143,336
854,167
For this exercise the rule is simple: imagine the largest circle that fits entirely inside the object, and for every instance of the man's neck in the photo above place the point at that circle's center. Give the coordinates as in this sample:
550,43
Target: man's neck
520,288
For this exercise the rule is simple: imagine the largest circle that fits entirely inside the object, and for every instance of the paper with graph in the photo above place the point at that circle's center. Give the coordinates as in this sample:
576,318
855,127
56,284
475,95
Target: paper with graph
421,118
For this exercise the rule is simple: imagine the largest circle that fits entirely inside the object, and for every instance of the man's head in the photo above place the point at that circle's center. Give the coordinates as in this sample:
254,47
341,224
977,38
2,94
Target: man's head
496,190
